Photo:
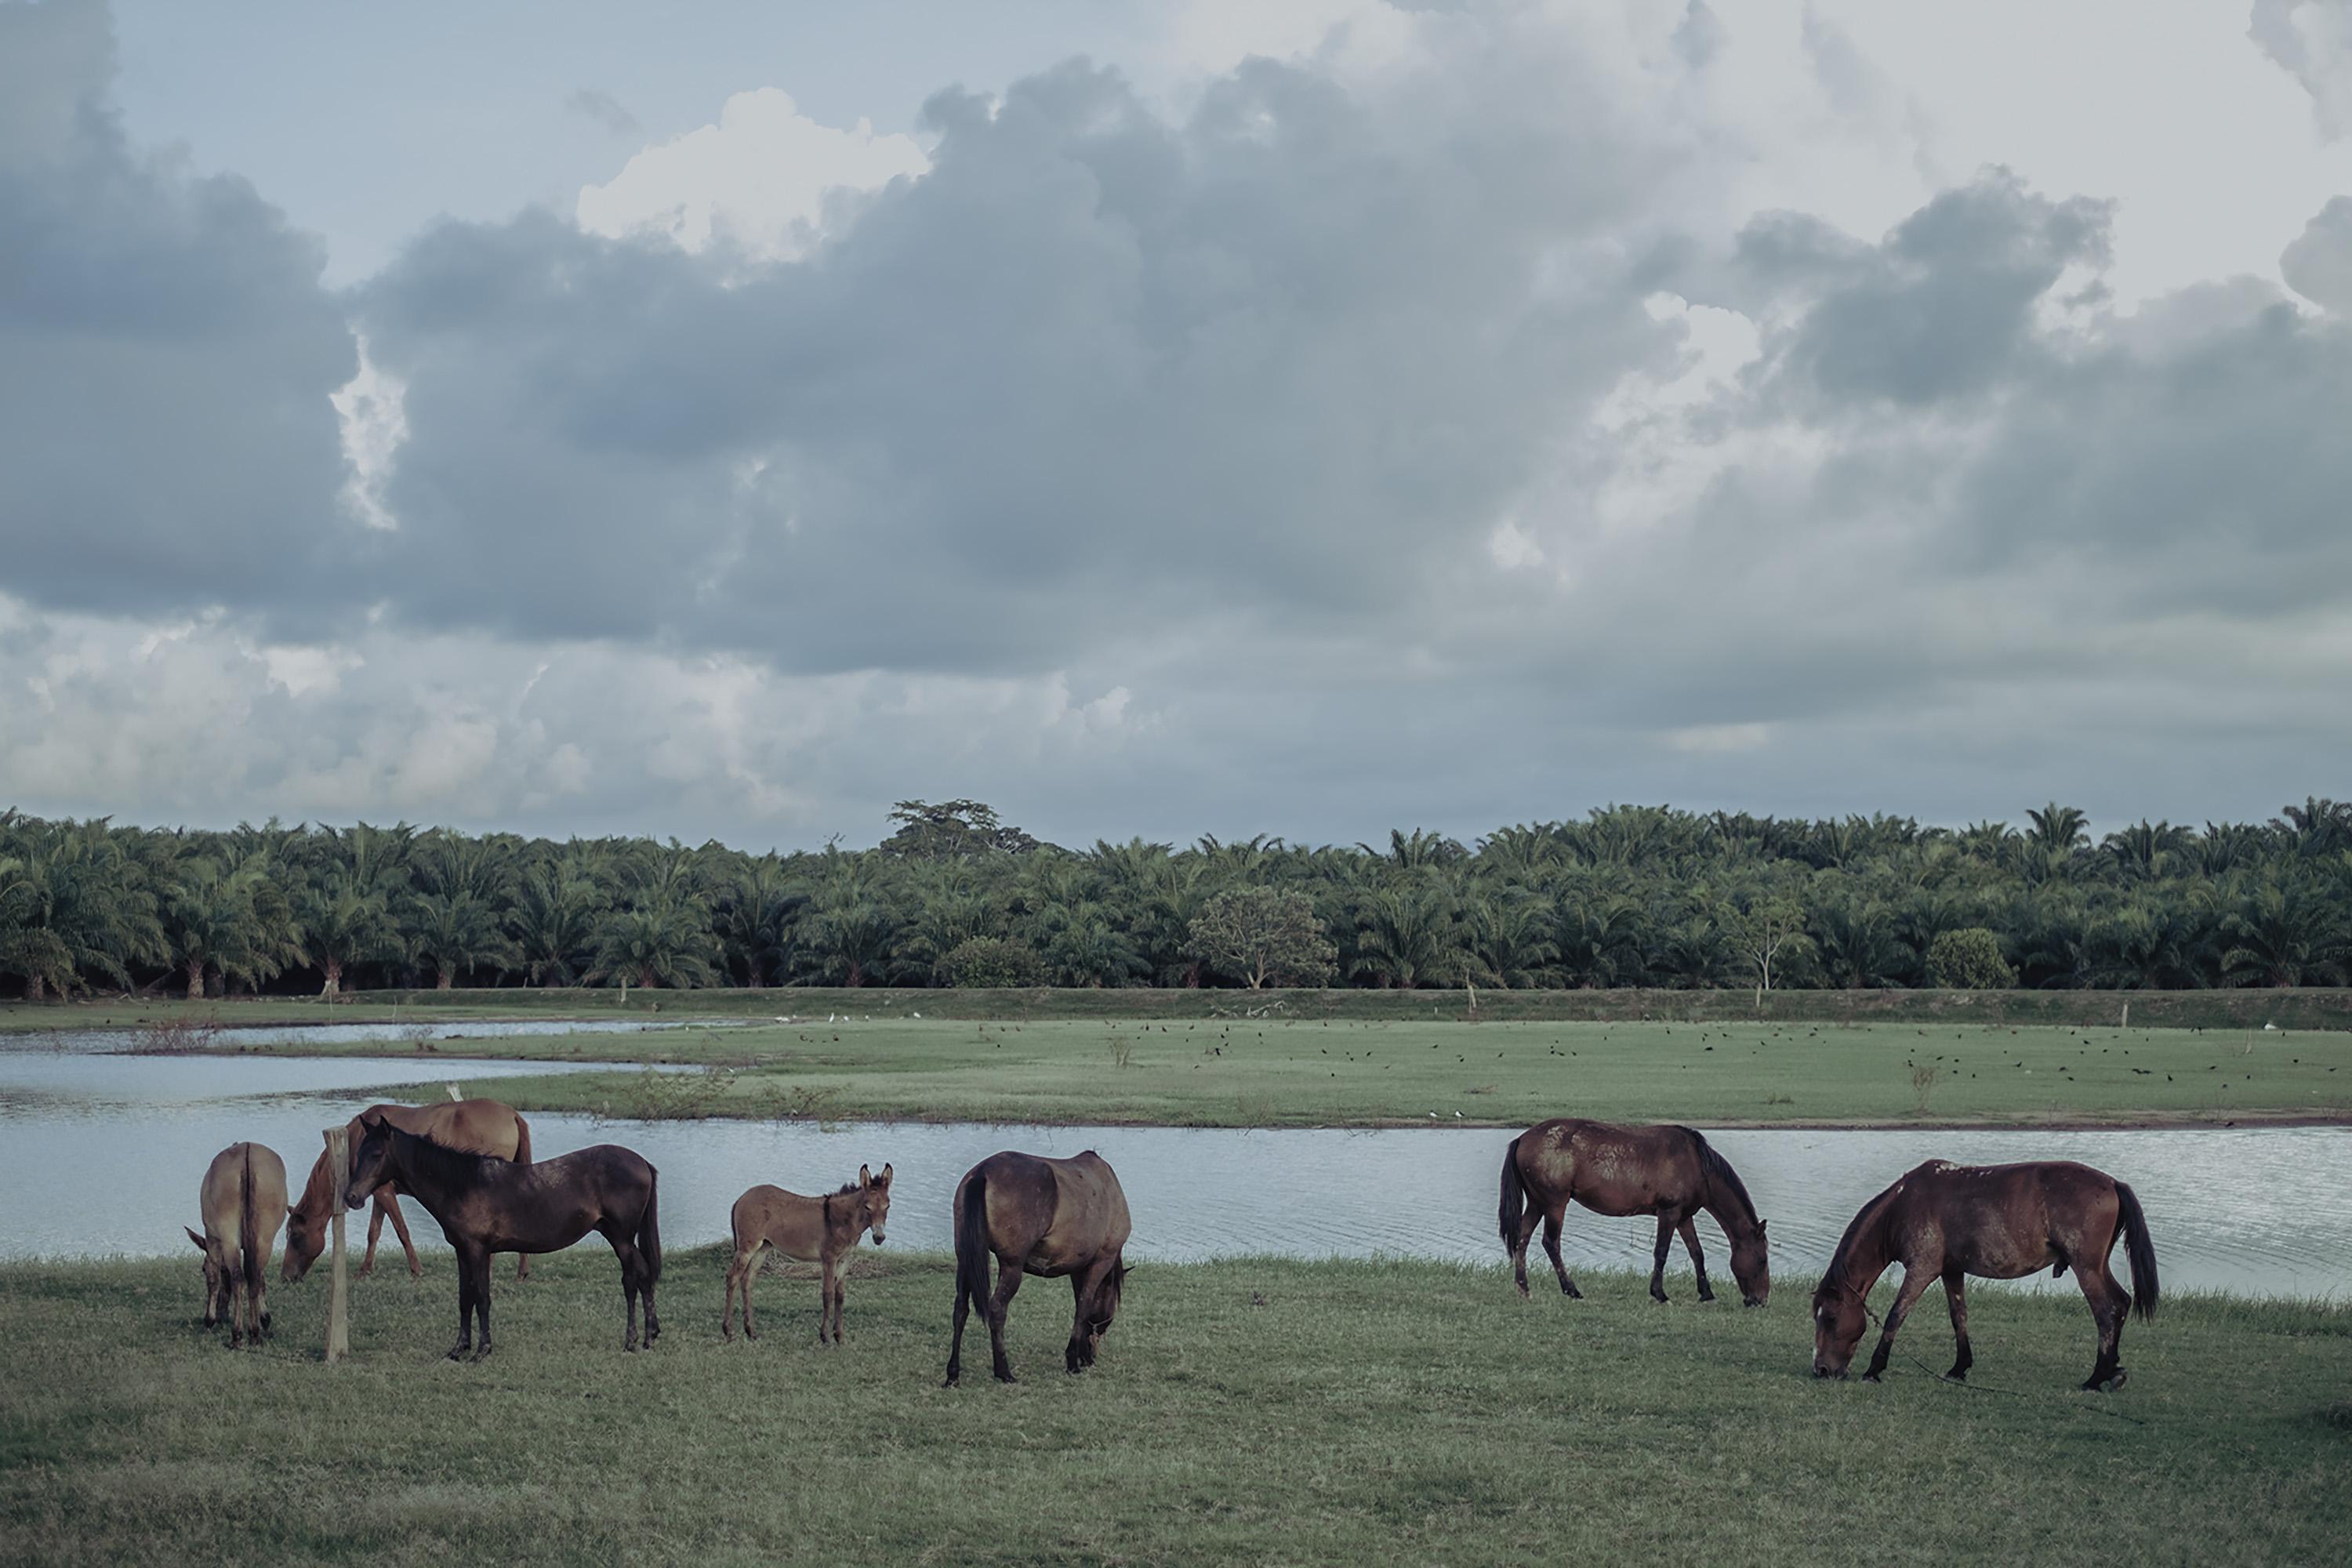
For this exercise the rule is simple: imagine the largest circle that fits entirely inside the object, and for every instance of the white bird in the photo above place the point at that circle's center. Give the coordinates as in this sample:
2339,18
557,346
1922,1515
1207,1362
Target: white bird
918,1015
2268,1027
453,1091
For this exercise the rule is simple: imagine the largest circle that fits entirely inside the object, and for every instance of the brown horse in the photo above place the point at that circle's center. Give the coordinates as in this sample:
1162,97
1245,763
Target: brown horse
1046,1217
473,1126
812,1230
1946,1221
1670,1172
487,1205
243,1201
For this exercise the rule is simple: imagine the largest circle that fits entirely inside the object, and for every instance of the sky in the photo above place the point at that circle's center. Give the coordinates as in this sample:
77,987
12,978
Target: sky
1229,417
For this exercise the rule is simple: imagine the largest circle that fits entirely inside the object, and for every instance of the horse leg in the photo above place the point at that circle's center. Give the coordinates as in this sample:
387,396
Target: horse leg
739,1273
1956,1282
375,1228
1915,1283
389,1203
1658,1263
1698,1259
1528,1222
2110,1304
955,1346
1008,1280
482,1300
1553,1221
626,1252
465,1344
1080,1352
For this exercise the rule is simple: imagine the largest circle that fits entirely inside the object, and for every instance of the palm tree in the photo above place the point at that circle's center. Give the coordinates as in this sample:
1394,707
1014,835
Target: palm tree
1505,942
343,922
2059,829
755,916
456,933
662,944
1604,937
1405,937
1857,943
82,907
220,920
1081,946
2286,933
554,920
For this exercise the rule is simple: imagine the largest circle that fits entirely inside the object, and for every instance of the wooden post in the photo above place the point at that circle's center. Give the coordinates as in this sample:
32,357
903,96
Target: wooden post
339,1317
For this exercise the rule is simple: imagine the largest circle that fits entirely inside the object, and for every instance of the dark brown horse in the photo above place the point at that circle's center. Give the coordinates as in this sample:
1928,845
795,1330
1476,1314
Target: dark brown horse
1670,1172
1946,1221
242,1199
821,1231
473,1126
1046,1217
487,1205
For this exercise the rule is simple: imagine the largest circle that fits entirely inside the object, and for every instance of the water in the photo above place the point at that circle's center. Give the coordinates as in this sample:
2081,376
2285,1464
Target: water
42,1042
96,1166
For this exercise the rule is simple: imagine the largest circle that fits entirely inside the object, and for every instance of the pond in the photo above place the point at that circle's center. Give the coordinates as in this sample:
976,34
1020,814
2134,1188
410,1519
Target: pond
94,1167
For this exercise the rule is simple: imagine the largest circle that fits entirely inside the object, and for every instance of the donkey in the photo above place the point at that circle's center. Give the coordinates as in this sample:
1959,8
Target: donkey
812,1230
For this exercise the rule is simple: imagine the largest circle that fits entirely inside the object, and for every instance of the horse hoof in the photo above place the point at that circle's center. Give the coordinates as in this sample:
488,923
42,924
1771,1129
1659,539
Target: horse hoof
1871,1377
459,1352
482,1354
1957,1375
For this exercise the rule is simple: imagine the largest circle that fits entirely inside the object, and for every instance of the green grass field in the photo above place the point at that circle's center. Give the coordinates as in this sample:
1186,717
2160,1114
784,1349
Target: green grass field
1261,1412
1268,1074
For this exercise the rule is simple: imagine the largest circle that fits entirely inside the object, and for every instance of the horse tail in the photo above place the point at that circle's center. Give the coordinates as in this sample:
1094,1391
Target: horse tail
972,1244
2139,1249
1514,1196
649,1225
523,1141
249,1228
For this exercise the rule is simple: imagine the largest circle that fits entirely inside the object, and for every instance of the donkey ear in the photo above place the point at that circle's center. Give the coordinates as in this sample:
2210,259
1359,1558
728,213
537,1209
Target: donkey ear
195,1237
885,1179
865,1176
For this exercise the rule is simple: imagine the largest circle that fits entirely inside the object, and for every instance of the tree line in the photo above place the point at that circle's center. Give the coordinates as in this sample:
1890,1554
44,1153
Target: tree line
1626,896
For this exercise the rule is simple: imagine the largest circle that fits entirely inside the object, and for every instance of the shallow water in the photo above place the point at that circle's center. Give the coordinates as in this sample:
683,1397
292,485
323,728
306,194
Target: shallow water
44,1042
113,1168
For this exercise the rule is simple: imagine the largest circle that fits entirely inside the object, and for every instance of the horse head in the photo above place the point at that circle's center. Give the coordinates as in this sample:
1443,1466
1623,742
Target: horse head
1837,1326
371,1162
1751,1265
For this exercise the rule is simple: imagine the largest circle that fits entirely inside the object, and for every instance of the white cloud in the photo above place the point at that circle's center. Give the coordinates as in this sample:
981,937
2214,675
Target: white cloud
758,179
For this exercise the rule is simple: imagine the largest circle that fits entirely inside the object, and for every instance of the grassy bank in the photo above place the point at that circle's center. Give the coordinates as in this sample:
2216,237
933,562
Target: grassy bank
1248,1411
1256,1073
2303,1008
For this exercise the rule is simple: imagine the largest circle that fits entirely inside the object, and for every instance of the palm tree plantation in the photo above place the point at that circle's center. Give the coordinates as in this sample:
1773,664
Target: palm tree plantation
1623,896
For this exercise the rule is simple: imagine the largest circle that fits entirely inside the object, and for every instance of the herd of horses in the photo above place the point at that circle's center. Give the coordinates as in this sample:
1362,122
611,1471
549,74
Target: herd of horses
469,1163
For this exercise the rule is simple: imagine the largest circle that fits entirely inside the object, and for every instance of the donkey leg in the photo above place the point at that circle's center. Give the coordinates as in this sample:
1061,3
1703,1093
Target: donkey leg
1658,1258
1956,1282
824,1330
1552,1224
1915,1283
1698,1259
1008,1280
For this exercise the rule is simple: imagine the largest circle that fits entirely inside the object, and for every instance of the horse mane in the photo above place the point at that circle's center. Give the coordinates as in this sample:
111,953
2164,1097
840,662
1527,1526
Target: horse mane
448,1164
1720,1169
1840,1272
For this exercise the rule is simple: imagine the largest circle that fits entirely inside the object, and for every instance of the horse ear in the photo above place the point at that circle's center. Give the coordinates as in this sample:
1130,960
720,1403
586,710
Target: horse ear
370,1119
195,1237
1761,1226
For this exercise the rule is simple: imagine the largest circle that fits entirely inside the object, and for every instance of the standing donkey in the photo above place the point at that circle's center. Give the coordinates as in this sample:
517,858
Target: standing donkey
810,1230
243,1201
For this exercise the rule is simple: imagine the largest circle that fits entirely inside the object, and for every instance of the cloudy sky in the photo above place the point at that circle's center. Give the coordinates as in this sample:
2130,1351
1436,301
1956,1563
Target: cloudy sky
1296,415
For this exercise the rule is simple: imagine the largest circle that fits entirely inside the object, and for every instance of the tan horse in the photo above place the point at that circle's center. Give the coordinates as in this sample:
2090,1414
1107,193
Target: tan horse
1046,1217
243,1201
1943,1221
1670,1172
472,1126
809,1230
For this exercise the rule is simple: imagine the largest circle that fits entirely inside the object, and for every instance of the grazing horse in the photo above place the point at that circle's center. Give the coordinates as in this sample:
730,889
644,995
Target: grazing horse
812,1230
1670,1172
487,1205
243,1201
1046,1217
473,1126
1943,1221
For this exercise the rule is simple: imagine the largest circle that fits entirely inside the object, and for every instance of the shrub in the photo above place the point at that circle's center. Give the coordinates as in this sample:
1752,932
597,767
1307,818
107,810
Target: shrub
990,964
1968,959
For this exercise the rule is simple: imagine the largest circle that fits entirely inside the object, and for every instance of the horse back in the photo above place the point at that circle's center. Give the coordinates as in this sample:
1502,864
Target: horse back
1610,1168
225,1198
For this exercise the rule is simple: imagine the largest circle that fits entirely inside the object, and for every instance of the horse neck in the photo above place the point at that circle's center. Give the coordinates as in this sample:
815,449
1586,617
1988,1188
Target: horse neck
1864,1254
421,1169
1716,1197
318,1197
